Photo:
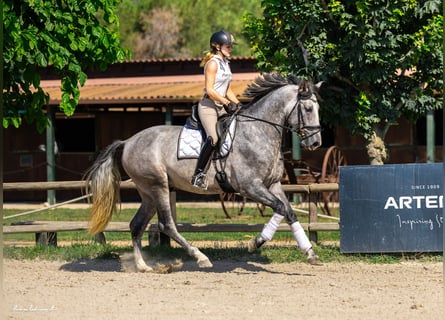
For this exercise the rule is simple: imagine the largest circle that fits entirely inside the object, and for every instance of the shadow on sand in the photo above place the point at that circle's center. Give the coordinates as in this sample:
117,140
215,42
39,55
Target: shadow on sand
125,263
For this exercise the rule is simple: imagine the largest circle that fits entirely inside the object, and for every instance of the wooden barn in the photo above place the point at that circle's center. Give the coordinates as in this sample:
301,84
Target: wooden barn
134,95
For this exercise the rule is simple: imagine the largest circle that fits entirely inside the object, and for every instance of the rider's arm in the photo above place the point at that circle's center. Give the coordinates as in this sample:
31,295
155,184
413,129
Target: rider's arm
231,95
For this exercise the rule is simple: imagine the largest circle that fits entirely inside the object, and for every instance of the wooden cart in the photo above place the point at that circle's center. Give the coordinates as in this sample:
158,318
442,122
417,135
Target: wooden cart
298,172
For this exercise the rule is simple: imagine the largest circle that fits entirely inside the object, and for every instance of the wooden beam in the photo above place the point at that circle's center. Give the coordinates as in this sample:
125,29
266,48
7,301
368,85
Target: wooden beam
59,226
73,185
57,185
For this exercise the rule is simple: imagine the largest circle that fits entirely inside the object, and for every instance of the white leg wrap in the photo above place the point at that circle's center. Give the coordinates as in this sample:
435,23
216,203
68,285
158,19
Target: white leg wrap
300,236
271,227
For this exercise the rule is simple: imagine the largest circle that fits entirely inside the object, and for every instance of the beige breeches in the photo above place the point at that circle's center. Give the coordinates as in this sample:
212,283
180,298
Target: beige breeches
208,113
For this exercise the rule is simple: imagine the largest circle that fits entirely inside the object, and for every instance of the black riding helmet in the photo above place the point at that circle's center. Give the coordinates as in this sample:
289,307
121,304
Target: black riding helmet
222,37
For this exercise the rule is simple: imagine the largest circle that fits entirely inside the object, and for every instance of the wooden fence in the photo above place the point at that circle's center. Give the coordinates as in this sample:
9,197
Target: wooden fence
46,231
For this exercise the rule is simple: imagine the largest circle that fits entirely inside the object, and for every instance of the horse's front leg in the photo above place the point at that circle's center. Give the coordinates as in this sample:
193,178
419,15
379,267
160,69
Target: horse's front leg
276,199
302,240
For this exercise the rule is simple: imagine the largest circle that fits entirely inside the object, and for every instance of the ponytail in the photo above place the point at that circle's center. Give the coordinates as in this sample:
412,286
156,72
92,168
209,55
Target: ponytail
206,58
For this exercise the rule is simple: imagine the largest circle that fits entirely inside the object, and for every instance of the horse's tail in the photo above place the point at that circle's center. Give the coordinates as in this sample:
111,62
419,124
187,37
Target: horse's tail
103,183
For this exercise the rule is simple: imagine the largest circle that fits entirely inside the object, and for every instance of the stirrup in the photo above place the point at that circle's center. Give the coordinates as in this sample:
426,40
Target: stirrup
200,180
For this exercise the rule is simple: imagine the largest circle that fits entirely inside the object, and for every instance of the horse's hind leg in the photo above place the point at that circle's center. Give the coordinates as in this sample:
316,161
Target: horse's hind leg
167,226
137,227
201,259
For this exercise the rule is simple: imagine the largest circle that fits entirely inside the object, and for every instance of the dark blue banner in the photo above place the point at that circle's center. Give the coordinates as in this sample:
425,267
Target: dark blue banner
391,208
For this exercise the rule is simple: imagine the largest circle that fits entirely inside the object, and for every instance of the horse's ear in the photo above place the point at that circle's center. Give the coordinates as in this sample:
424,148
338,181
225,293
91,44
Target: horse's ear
318,85
303,87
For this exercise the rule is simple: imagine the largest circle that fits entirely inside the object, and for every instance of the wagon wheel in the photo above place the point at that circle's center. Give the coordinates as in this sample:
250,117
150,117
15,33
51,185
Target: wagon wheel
332,161
233,204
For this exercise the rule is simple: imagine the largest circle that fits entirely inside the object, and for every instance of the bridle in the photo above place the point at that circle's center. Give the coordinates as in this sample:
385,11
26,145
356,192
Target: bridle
301,130
302,127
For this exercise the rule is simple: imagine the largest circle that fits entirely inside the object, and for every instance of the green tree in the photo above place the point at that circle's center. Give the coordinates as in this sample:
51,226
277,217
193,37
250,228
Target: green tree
160,36
70,36
380,60
197,21
204,17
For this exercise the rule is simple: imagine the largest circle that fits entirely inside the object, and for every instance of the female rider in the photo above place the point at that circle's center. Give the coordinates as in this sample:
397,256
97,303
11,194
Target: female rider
218,98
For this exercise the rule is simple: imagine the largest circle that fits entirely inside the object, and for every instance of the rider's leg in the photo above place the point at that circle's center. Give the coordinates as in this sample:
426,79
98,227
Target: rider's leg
209,116
199,178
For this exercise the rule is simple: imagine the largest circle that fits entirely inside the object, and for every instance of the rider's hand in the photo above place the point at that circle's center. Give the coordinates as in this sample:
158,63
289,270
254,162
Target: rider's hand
232,107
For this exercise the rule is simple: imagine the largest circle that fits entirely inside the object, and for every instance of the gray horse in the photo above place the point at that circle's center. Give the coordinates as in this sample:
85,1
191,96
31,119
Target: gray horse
254,167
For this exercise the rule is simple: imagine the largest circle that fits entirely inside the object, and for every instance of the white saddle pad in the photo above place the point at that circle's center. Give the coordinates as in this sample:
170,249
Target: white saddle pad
190,142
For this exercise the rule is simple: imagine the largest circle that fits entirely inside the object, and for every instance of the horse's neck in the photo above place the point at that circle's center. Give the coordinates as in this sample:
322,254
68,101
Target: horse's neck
267,113
258,140
263,123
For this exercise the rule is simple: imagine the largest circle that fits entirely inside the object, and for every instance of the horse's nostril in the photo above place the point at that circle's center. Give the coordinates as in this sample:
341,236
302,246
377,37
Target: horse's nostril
315,145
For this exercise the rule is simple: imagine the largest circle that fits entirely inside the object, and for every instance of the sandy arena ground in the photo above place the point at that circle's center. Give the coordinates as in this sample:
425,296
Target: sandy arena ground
232,290
109,289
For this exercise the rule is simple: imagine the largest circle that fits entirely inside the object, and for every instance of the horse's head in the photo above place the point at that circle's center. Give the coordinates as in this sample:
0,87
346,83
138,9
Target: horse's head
300,105
304,118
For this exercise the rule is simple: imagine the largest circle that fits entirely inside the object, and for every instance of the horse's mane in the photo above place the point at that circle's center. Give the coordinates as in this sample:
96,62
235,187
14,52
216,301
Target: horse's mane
267,83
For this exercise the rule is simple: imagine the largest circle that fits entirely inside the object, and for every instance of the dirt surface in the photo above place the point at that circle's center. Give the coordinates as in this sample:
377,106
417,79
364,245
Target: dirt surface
109,289
232,290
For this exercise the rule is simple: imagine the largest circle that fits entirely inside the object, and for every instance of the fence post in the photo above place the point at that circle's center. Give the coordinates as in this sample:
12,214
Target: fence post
100,238
313,217
46,239
50,157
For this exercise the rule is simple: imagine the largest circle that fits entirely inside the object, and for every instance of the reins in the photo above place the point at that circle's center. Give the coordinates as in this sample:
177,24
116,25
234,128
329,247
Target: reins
301,128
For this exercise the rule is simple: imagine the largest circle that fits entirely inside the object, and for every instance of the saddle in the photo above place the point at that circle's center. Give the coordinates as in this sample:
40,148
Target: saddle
222,149
222,128
193,121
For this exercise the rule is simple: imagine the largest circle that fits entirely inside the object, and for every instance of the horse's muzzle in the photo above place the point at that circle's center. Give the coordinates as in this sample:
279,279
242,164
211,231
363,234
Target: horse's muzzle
312,141
314,146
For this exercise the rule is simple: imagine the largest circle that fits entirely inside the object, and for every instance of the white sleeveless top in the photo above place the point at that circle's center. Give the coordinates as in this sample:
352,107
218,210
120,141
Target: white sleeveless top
223,75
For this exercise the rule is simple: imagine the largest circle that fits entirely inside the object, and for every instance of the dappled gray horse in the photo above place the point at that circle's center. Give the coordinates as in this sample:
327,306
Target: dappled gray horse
254,167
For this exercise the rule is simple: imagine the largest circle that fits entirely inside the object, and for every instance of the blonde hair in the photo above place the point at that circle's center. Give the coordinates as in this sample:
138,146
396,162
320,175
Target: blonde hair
206,58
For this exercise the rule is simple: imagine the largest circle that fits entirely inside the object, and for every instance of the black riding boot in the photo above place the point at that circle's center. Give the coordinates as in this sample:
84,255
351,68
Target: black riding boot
200,177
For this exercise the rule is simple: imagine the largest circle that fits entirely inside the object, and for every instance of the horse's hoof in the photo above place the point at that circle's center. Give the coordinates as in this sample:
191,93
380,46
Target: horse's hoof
314,260
251,245
145,268
163,268
205,263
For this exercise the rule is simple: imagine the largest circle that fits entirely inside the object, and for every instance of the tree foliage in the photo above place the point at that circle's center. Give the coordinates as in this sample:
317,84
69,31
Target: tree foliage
380,60
73,36
70,36
160,34
197,20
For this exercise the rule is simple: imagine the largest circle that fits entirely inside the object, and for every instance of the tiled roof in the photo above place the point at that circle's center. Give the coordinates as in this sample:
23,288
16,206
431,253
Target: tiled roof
137,90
